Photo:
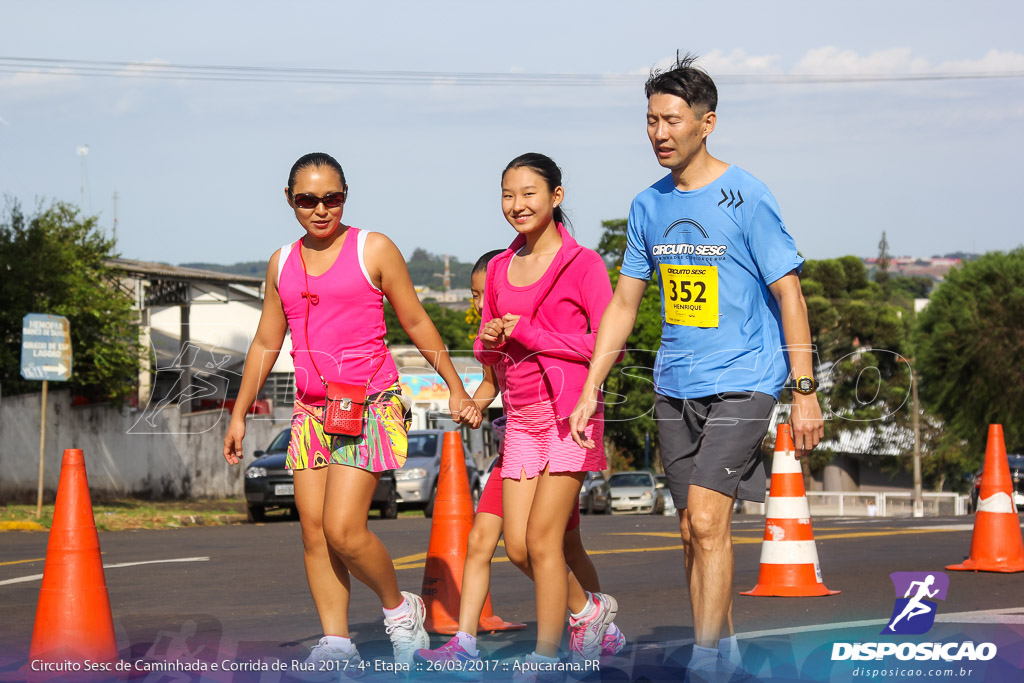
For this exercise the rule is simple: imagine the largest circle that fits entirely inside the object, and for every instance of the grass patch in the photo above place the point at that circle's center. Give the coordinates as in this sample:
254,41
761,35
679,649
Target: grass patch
134,514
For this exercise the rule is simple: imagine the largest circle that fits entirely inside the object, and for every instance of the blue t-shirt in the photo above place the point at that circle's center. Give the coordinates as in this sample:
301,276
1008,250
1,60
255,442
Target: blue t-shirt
715,251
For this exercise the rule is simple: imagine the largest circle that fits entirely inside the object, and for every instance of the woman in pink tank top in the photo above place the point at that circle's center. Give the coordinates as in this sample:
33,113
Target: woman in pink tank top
327,289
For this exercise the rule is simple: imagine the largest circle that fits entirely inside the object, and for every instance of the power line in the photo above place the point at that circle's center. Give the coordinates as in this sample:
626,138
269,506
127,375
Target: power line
323,76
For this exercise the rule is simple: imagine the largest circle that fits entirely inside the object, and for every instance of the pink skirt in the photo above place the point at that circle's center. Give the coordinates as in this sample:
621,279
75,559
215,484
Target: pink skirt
536,438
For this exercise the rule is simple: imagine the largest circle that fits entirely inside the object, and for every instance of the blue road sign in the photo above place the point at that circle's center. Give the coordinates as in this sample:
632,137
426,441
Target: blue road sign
45,347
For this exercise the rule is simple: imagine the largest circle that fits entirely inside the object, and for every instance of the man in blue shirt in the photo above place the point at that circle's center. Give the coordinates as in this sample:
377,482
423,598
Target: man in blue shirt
734,329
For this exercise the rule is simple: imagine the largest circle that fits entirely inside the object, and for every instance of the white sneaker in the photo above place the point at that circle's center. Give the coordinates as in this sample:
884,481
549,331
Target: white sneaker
327,662
407,632
586,634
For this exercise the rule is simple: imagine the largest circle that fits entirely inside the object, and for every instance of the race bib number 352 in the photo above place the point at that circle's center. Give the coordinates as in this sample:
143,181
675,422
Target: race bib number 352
691,295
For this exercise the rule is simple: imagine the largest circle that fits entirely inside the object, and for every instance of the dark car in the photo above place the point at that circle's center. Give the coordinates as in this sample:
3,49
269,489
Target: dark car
1016,463
595,495
417,479
269,485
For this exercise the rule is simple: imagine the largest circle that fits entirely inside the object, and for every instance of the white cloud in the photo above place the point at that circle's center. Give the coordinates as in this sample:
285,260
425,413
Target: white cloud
994,60
4,122
738,61
830,60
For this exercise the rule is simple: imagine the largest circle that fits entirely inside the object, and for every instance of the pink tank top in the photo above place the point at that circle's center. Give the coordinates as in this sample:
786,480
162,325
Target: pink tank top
346,325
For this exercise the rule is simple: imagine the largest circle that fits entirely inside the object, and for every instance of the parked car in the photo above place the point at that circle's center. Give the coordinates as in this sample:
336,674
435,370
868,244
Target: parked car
270,485
417,480
668,506
1016,463
634,492
595,496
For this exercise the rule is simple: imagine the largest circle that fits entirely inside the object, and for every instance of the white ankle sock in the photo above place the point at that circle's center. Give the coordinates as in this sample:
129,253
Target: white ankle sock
703,658
339,641
542,659
587,609
467,642
729,650
397,612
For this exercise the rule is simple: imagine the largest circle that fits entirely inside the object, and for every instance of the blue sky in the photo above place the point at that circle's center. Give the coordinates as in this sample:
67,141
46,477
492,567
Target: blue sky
199,166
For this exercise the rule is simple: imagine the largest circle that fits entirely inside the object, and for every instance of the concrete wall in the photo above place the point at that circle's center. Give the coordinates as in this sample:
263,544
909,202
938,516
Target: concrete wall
157,453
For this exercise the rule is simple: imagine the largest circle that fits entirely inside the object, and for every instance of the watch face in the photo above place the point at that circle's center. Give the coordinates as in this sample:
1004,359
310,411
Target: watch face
805,385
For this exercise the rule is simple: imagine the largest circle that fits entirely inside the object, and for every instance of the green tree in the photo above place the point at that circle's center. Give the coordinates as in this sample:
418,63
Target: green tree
612,245
54,262
452,324
970,353
860,336
629,389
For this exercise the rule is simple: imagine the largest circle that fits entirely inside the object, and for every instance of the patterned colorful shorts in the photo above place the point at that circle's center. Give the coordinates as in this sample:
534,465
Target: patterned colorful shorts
382,446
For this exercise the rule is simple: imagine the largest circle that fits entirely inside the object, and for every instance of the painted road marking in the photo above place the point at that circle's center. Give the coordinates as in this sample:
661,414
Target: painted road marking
418,560
888,531
36,559
37,577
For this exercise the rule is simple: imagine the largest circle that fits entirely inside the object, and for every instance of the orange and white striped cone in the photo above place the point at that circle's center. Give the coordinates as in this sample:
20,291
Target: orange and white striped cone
789,558
996,544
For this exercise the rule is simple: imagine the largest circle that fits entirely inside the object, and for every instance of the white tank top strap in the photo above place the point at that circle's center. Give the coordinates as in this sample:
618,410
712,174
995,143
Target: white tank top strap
360,245
285,250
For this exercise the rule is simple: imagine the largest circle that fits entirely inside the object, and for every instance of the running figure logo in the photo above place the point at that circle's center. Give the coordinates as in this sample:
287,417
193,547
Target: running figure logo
914,613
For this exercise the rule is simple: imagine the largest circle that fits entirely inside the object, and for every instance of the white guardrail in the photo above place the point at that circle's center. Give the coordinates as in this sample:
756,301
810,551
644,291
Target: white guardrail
878,504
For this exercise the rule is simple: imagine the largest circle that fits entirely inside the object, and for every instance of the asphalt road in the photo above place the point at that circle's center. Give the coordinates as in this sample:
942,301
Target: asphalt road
240,592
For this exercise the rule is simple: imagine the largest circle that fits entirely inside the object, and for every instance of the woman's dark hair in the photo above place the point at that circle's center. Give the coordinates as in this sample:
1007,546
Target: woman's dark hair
481,263
548,170
314,160
687,81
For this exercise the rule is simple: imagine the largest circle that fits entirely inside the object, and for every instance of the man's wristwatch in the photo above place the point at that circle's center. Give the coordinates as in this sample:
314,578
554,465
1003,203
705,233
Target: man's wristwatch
805,385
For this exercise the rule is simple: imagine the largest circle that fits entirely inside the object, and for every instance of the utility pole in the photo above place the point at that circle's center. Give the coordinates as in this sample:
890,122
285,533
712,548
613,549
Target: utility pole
918,495
915,420
446,277
115,217
83,152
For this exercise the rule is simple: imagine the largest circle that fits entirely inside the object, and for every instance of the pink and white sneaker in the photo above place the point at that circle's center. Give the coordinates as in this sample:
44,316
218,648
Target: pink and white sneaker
451,659
587,633
613,642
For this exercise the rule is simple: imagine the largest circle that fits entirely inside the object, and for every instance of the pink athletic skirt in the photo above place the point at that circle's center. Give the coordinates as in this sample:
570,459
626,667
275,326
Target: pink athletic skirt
536,438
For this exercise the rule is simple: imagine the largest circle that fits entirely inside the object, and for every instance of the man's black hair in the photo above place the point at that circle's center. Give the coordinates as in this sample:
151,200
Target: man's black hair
687,81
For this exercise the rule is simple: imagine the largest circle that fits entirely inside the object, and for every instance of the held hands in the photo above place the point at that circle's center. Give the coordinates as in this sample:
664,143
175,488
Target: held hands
808,426
233,442
497,331
580,417
463,409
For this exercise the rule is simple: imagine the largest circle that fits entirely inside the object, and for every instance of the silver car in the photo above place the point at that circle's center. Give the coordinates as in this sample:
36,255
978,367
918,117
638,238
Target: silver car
634,492
417,480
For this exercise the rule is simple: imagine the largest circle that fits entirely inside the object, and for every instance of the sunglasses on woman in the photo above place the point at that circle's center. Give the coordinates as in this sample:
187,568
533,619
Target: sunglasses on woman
331,200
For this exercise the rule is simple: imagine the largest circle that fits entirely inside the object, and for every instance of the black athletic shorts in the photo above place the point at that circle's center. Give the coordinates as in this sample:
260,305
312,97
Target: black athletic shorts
714,442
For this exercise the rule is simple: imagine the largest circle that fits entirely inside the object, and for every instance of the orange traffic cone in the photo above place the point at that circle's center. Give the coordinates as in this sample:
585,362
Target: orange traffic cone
789,558
446,554
73,619
996,544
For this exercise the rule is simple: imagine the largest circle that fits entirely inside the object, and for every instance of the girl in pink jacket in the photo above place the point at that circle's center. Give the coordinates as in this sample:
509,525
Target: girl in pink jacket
543,303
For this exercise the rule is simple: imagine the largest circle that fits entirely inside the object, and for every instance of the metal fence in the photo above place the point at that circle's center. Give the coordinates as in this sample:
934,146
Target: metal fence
877,504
